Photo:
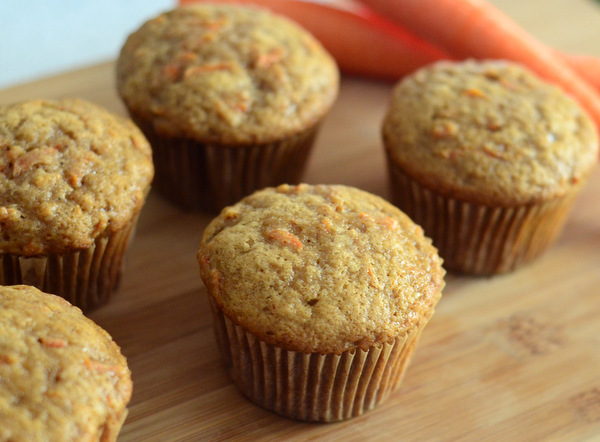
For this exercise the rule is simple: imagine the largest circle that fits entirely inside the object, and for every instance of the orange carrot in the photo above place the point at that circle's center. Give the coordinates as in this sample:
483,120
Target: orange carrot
53,342
588,66
475,28
361,42
285,238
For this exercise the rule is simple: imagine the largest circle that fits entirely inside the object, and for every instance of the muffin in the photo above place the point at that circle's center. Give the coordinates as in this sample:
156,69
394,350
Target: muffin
62,377
488,158
73,179
319,295
230,97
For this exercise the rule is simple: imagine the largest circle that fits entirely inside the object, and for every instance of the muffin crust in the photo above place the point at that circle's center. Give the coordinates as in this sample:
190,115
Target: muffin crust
489,132
320,269
69,170
62,377
226,74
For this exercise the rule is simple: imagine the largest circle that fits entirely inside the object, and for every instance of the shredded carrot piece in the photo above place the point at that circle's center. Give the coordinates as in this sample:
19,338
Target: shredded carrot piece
492,153
476,93
101,367
206,68
367,220
327,225
444,129
384,221
266,59
53,342
373,278
241,105
171,72
284,237
35,157
388,222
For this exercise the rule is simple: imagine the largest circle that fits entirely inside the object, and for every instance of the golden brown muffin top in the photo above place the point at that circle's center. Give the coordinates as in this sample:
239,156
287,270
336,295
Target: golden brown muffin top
62,377
69,170
226,73
320,268
489,132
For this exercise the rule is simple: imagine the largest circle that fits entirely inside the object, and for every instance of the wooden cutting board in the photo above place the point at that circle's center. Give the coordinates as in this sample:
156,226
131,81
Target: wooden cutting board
514,357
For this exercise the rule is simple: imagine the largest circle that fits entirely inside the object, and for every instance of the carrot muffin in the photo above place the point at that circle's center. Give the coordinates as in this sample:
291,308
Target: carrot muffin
62,377
319,295
488,158
230,97
73,179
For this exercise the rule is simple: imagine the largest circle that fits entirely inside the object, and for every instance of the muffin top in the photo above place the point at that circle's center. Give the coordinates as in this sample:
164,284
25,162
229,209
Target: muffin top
69,170
226,73
62,377
489,132
320,269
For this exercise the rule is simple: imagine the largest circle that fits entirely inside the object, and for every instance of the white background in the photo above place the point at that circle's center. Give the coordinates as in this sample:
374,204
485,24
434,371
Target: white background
39,38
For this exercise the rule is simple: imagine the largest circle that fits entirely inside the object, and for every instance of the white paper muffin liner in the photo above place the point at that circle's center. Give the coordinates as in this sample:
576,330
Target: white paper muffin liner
86,278
313,387
477,239
208,177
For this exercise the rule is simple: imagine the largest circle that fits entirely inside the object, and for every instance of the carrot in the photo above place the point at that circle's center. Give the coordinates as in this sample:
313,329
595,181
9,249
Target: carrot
285,238
53,342
362,43
588,66
475,28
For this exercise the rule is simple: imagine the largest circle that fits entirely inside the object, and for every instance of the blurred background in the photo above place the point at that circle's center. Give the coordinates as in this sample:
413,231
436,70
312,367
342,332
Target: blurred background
39,38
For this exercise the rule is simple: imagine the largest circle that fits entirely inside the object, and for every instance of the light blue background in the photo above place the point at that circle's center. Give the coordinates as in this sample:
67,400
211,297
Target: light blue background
39,38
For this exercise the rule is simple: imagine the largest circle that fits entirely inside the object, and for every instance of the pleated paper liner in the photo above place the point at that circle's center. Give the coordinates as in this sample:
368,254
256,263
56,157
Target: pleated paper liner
208,177
476,239
112,427
86,278
313,387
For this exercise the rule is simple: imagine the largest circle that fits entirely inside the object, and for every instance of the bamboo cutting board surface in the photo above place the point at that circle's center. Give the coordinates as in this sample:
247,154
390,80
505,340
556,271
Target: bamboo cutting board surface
514,357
